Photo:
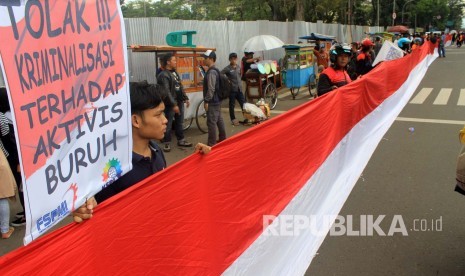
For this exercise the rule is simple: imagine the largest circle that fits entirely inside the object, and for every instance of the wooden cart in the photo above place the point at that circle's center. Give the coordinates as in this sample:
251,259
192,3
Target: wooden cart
188,60
266,86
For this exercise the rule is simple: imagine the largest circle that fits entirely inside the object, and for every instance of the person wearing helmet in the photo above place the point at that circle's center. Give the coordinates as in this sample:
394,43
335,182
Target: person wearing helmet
365,58
416,43
336,75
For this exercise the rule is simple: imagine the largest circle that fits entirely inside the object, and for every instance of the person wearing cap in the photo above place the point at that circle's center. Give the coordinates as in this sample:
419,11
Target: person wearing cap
211,84
174,101
246,62
365,58
336,75
233,71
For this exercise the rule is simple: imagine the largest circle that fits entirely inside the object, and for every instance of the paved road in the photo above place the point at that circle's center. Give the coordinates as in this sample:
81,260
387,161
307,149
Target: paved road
411,174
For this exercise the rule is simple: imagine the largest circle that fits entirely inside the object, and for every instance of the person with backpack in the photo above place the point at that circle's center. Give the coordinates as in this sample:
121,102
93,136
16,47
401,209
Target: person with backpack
233,72
211,95
174,101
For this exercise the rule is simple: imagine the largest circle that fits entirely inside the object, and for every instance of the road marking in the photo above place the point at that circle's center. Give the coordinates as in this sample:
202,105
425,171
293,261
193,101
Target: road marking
421,96
431,121
461,98
443,96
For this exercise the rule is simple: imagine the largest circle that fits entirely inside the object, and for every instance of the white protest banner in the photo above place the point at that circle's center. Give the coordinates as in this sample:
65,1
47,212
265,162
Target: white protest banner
389,51
65,65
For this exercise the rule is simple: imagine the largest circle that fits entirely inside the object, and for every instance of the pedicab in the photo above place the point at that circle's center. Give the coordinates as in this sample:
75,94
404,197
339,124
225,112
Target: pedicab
300,68
265,78
189,59
263,82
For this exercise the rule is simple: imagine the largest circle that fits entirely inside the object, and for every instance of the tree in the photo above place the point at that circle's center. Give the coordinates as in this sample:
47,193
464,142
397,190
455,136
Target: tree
299,10
436,13
456,8
175,9
432,14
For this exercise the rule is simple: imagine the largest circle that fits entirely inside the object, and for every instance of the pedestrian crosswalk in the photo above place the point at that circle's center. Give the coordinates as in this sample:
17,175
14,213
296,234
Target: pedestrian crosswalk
442,96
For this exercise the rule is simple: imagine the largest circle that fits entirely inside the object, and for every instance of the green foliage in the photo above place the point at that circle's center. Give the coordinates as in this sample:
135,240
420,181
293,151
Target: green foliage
358,12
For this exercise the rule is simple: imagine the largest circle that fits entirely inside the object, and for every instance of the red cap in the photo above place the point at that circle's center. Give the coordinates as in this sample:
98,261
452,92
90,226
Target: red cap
367,42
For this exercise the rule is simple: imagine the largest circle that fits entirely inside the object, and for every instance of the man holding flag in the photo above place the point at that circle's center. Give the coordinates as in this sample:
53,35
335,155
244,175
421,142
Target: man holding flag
148,123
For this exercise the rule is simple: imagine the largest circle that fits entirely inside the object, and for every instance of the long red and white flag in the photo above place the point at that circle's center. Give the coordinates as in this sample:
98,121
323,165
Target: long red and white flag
210,215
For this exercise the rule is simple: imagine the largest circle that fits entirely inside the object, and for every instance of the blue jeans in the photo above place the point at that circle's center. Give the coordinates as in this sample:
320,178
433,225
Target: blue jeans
4,215
235,95
174,121
442,50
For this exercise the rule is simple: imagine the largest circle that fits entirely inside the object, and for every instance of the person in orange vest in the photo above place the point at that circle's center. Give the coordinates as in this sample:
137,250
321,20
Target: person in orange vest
321,55
336,75
416,43
365,58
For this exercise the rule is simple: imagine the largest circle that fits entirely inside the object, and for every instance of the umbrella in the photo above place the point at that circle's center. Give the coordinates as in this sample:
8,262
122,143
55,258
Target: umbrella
398,28
262,43
453,32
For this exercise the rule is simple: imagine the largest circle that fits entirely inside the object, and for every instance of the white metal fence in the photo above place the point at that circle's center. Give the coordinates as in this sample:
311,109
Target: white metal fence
225,36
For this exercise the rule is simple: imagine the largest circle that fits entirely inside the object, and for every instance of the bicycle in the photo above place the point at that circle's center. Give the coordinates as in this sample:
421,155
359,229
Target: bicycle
312,85
201,117
187,121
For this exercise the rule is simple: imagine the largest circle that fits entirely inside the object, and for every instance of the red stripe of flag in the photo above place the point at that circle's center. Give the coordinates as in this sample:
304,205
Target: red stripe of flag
200,215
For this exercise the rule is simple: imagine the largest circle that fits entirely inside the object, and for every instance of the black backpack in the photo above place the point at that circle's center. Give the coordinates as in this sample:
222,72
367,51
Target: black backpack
224,87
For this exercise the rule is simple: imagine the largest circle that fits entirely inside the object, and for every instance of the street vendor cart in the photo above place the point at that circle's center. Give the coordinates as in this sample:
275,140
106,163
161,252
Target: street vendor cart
189,60
264,83
300,68
265,78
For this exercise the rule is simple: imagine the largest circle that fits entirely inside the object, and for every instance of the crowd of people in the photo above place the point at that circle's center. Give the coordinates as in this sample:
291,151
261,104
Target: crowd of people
348,63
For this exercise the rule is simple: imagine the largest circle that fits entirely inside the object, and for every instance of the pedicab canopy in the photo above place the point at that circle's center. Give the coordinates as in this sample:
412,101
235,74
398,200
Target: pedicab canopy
316,36
326,40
